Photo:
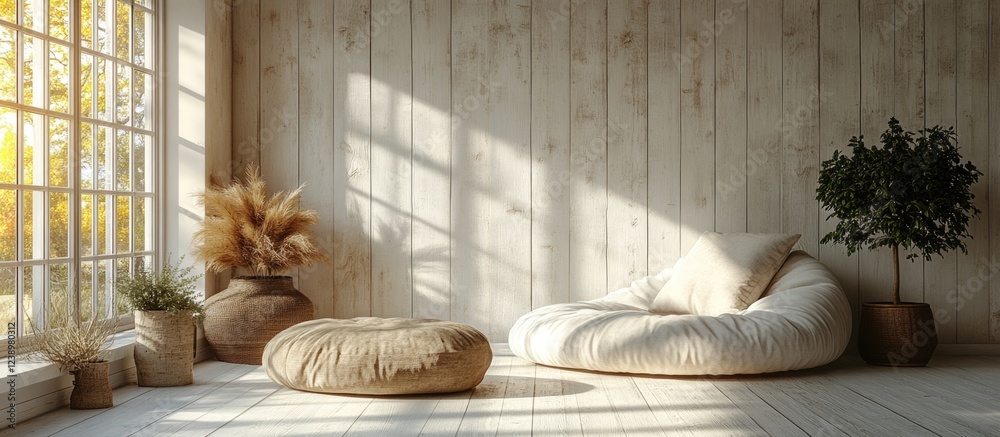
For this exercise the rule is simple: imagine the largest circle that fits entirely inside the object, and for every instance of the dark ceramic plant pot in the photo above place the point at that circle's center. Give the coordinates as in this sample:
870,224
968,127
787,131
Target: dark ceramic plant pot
240,320
897,334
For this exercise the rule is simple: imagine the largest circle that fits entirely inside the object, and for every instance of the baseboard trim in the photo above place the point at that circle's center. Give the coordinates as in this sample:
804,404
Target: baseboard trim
992,350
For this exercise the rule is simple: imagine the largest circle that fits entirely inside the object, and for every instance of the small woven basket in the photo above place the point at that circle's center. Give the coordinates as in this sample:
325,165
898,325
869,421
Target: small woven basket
91,388
897,334
240,320
164,348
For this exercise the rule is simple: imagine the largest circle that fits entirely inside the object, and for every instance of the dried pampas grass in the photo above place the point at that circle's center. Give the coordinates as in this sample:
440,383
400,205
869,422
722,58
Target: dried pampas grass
244,228
71,345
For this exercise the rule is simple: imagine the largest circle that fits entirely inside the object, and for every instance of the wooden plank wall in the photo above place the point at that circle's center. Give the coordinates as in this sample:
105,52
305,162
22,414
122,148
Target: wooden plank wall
473,160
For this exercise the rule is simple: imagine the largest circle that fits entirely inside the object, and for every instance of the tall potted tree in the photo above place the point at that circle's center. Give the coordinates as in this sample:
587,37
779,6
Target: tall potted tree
914,192
166,307
244,228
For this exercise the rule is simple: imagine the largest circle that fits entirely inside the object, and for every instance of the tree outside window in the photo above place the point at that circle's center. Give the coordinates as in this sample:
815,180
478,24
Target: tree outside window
77,153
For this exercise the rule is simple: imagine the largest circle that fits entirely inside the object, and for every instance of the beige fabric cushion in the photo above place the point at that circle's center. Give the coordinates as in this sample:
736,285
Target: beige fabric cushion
803,321
723,273
369,355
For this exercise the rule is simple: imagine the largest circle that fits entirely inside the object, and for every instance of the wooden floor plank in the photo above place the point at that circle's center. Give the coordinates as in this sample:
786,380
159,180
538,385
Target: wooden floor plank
962,400
518,399
803,416
596,412
153,405
701,408
842,408
941,380
394,415
930,412
318,414
954,396
555,411
480,416
762,413
629,405
282,413
975,369
994,359
217,408
64,418
447,414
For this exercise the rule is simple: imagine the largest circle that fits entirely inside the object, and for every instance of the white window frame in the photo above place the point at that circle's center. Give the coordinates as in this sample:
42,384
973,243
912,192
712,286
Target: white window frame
152,195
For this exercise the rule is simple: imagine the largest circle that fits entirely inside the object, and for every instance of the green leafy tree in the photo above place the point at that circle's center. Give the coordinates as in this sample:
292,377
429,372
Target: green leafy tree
913,192
96,94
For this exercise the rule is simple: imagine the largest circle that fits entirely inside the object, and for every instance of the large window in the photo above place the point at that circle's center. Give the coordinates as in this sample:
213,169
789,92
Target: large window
77,154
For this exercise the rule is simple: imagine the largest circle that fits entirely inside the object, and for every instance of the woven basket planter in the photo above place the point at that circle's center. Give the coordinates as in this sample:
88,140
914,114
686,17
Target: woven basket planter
240,320
91,388
897,334
164,348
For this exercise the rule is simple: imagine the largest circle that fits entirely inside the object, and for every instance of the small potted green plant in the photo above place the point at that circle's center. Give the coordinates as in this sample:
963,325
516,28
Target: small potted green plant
913,192
166,308
79,347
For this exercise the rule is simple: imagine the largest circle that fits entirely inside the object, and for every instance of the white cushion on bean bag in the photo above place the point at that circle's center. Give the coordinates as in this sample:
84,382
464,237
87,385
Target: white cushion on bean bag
803,321
723,273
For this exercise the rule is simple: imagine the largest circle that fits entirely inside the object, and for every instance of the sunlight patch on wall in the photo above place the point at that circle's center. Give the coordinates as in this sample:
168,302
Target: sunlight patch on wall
191,60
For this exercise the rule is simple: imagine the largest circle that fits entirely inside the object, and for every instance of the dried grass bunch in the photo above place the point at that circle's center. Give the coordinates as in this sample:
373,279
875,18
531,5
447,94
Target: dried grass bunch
70,344
243,227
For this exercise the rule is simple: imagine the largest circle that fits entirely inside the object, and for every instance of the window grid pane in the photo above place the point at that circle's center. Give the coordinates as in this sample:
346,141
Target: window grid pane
60,18
123,107
104,83
8,295
87,224
33,149
8,225
86,156
33,62
123,18
104,9
33,228
123,153
86,85
140,156
87,298
103,284
8,11
59,152
58,295
32,297
8,63
8,145
58,221
75,186
33,14
59,65
103,224
123,238
87,24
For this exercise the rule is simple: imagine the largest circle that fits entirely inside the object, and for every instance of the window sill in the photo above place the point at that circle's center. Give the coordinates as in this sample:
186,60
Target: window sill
33,372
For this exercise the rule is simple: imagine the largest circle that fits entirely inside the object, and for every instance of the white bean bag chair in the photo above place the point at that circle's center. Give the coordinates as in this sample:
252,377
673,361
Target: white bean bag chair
803,320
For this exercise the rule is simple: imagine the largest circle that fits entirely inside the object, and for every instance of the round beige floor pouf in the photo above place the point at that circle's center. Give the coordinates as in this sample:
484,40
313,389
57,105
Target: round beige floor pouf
369,355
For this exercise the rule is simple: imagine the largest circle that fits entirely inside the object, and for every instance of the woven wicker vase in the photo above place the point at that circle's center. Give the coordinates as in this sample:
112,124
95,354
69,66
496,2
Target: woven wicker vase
240,320
897,334
164,348
91,388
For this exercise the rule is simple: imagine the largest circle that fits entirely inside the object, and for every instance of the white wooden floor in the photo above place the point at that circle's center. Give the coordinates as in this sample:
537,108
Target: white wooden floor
954,396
